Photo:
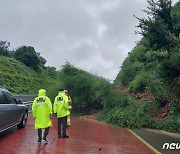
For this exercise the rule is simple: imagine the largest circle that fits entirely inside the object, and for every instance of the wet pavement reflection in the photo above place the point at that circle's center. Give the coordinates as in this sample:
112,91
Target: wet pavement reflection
86,137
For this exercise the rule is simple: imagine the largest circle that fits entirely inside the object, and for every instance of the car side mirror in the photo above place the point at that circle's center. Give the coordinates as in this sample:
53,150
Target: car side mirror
19,101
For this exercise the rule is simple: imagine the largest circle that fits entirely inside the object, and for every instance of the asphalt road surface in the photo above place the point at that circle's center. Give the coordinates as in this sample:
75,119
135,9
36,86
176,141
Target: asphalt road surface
157,138
86,137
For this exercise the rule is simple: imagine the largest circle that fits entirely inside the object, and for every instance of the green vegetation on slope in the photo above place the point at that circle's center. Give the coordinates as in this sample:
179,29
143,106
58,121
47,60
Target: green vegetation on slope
23,71
20,79
151,68
88,91
153,65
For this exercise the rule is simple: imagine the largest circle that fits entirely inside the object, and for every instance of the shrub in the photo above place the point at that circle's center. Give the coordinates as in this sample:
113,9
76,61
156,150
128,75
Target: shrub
171,124
175,107
28,56
129,71
170,66
4,48
132,116
88,91
131,65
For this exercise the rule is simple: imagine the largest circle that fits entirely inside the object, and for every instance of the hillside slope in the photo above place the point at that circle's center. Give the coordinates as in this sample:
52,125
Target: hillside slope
20,79
150,75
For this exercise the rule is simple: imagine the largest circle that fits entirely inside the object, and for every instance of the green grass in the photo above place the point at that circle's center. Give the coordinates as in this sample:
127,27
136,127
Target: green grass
20,79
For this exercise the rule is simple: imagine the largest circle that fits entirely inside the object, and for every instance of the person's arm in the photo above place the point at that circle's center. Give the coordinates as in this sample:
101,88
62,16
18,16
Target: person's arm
66,102
49,105
34,108
70,102
54,106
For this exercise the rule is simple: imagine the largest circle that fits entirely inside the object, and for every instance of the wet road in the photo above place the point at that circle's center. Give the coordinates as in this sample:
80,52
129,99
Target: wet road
157,138
86,137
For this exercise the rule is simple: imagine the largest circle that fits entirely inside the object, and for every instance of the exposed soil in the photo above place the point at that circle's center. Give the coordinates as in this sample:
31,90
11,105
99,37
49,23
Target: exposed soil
137,95
161,114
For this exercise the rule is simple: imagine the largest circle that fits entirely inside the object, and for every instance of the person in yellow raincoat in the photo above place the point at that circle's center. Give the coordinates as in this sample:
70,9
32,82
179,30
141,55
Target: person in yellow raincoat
61,107
70,107
41,111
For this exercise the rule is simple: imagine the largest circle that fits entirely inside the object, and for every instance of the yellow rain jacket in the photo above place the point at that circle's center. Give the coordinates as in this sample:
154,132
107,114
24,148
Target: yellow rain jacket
70,102
61,105
42,110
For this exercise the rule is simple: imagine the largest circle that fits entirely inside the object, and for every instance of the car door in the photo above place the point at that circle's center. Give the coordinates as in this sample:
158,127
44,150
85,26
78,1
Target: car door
15,108
5,111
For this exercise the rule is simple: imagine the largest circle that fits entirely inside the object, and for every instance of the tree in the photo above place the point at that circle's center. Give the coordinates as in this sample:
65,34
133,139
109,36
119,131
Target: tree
42,59
175,13
28,56
4,48
159,25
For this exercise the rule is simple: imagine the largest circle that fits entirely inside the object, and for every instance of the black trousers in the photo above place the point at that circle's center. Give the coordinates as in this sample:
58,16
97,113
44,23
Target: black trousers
62,125
45,133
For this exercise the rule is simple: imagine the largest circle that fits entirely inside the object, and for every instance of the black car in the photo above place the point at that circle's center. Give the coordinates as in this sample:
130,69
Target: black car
12,111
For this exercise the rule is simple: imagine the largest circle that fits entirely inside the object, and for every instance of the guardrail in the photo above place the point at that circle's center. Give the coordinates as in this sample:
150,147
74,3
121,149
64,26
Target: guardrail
26,99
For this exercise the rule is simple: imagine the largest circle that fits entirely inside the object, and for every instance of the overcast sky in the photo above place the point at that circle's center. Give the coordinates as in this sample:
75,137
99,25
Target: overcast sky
95,35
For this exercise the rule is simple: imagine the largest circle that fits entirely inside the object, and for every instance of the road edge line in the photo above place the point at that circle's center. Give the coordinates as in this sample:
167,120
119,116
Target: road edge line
143,141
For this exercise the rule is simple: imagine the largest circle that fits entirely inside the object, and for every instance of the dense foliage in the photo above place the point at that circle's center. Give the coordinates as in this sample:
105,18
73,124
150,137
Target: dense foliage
153,65
28,56
87,91
91,93
25,54
20,79
4,48
161,26
126,112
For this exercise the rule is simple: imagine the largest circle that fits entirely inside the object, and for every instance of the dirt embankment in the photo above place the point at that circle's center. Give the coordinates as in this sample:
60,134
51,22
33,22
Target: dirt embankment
161,114
91,116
